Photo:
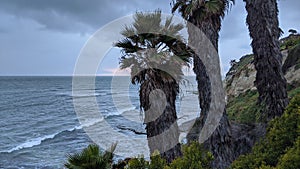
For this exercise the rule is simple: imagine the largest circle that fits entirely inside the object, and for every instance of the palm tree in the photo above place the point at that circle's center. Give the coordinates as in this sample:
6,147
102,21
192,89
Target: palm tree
262,20
155,54
207,16
91,158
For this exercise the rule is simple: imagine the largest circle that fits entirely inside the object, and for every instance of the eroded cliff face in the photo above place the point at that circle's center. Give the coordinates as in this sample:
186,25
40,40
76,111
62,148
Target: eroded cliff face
239,80
241,75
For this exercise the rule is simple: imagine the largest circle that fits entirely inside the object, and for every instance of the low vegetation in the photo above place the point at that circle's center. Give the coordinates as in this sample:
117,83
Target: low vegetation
280,148
290,42
244,109
91,158
194,157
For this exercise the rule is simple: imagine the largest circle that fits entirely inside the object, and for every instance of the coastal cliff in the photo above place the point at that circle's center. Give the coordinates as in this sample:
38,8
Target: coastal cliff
242,110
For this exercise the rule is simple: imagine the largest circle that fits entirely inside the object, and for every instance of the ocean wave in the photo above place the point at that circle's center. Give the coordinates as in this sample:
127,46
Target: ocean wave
31,143
120,111
83,95
37,141
88,123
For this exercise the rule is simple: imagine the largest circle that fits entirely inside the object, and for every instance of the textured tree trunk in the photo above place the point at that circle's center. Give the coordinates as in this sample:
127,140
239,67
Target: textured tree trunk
161,118
262,20
219,143
263,25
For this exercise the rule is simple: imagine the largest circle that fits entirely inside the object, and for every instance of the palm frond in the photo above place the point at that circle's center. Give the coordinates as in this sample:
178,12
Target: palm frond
128,31
150,44
202,9
177,4
91,158
145,23
127,62
214,7
127,46
168,22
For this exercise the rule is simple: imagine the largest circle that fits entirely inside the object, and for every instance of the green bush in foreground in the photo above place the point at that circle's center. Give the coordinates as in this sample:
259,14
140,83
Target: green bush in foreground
138,163
91,158
194,157
280,147
291,159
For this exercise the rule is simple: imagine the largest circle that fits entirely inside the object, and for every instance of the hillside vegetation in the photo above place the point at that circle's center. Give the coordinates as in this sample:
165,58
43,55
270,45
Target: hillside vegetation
280,149
239,82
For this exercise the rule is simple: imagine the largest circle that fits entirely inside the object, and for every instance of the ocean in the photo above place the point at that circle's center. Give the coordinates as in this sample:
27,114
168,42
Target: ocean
40,123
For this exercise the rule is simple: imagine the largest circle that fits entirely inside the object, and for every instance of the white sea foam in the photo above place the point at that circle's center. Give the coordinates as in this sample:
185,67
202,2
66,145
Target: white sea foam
82,94
38,140
90,123
32,142
120,111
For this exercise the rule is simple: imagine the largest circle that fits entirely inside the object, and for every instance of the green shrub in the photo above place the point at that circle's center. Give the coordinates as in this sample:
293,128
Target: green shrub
291,159
290,43
194,157
157,162
243,108
244,61
292,93
91,158
138,163
281,135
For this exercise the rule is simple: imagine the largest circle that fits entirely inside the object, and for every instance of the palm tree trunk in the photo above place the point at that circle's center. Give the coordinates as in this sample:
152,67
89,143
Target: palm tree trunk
203,81
161,118
219,143
262,20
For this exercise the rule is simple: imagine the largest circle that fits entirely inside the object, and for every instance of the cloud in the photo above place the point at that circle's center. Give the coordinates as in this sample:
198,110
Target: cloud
76,15
86,16
2,30
45,33
289,15
233,25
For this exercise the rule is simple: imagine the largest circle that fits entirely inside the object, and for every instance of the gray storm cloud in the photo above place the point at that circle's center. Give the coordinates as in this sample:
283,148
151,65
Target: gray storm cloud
48,35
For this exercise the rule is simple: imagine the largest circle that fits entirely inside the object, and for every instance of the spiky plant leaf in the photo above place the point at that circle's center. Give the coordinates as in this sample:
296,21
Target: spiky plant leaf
91,158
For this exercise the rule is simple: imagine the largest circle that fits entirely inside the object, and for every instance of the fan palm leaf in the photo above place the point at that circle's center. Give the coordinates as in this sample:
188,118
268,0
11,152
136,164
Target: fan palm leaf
91,158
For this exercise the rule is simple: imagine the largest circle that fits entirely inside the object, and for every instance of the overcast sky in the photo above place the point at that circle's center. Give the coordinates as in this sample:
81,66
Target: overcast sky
40,37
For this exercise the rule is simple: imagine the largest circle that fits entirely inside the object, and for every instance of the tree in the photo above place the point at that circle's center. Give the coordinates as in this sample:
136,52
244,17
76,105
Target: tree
232,62
91,158
155,54
293,31
207,16
262,20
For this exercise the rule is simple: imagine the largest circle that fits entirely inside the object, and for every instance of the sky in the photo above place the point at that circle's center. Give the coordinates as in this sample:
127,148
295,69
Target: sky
45,37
